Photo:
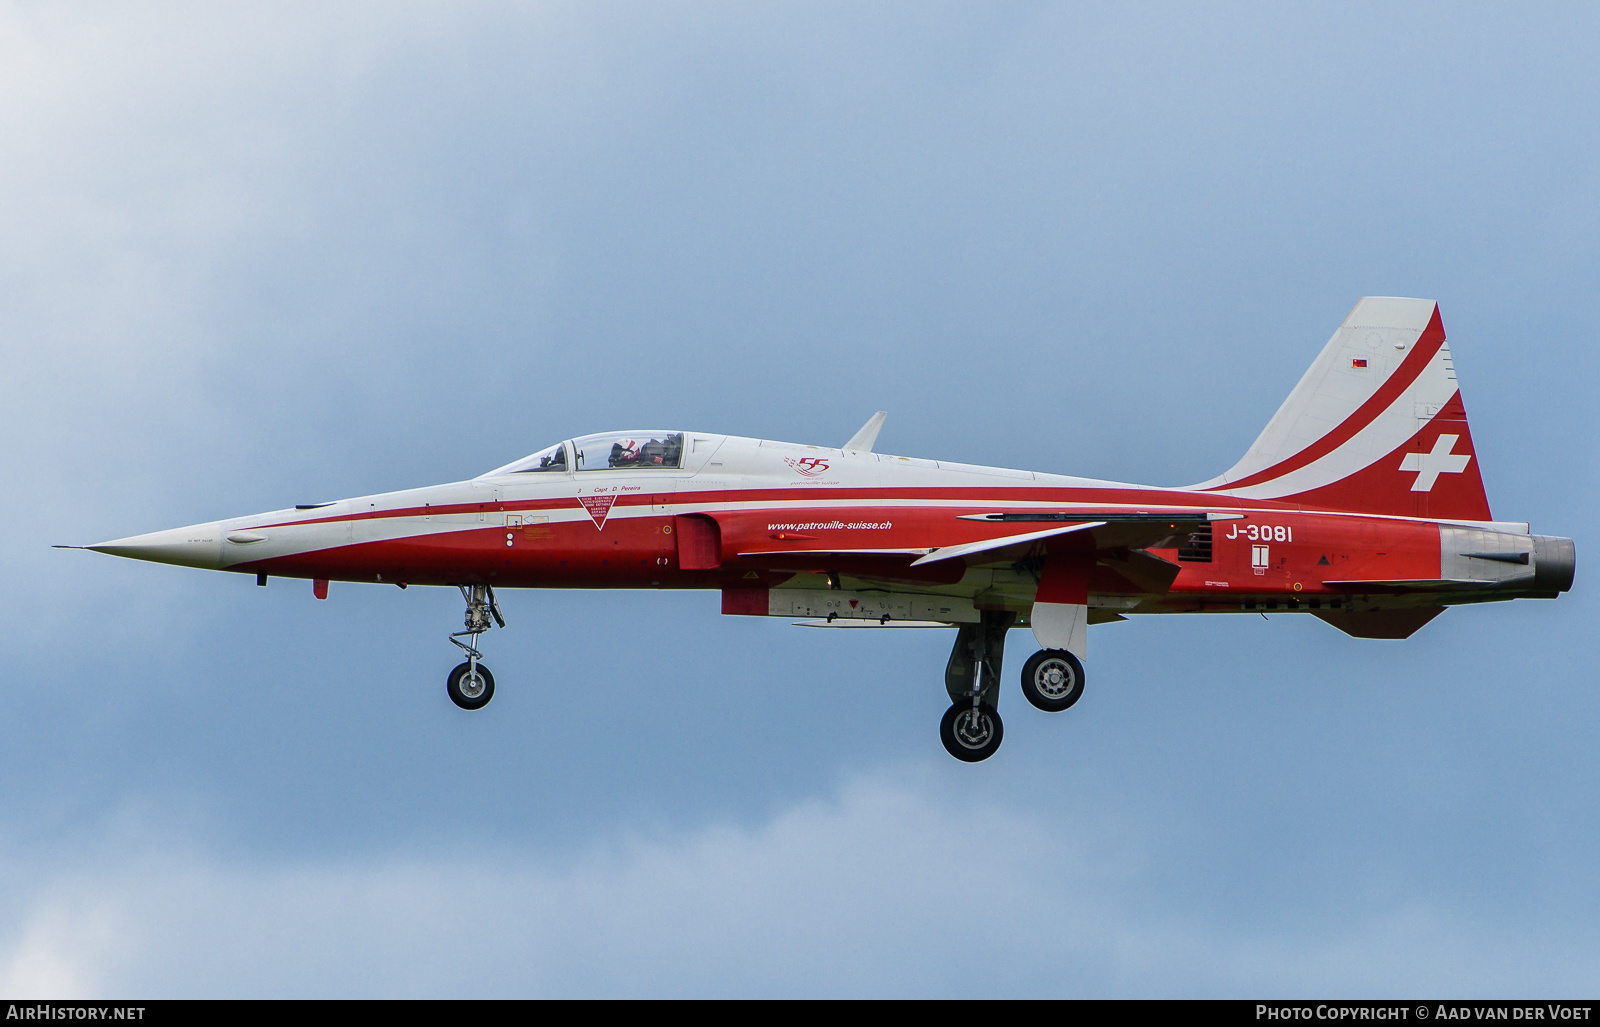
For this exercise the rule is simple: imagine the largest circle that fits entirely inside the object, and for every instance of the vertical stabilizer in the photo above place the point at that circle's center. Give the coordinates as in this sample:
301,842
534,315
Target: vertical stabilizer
1376,425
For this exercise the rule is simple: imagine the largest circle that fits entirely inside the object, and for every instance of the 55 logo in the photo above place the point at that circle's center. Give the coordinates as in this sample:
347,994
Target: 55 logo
811,466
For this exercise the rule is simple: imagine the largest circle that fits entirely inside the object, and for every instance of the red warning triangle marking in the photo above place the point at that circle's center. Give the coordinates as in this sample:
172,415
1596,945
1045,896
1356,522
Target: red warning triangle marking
599,507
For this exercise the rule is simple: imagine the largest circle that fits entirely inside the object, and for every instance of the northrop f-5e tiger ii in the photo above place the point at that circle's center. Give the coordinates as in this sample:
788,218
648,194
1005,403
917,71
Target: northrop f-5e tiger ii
1361,503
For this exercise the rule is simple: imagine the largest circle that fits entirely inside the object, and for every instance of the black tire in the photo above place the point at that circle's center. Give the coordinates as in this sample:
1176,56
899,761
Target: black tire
466,693
1052,680
971,733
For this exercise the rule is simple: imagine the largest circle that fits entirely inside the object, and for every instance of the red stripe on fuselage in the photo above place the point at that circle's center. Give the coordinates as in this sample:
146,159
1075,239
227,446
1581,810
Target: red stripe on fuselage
1065,495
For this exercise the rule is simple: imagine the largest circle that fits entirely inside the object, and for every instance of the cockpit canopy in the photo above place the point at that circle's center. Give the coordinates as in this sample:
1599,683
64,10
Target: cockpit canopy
552,459
612,451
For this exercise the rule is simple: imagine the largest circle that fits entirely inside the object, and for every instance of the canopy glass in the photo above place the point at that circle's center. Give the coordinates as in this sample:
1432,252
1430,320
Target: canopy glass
612,451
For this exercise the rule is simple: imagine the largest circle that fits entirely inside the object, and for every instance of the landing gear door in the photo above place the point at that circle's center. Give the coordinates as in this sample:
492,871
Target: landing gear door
1060,614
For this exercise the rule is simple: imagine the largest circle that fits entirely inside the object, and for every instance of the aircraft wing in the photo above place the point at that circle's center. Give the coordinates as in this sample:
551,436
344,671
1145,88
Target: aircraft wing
1107,530
1120,538
1005,548
792,551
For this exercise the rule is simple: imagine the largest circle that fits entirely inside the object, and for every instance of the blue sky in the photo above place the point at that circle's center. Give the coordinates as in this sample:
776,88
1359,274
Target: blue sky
298,253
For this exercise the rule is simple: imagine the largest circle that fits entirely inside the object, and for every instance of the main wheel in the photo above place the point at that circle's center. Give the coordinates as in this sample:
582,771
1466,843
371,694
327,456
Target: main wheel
1052,679
971,733
469,688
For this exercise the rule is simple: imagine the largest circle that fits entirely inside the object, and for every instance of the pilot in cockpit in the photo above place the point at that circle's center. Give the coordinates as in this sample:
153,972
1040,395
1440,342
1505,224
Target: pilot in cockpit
624,453
661,452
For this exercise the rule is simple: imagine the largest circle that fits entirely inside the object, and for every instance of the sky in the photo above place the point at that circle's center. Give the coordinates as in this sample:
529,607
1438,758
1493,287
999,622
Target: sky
257,256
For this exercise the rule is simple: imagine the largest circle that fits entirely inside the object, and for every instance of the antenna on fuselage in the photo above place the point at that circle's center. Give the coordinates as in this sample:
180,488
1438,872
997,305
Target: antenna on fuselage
861,441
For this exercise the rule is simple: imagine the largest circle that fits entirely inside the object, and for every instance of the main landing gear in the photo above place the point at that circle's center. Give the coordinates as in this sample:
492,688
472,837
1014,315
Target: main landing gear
971,729
1052,679
470,685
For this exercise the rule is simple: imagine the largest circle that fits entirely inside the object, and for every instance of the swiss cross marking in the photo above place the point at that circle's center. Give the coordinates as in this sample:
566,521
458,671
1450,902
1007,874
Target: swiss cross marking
1434,463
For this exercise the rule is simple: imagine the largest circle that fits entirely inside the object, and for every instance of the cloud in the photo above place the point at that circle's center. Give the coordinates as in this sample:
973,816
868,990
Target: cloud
59,943
886,888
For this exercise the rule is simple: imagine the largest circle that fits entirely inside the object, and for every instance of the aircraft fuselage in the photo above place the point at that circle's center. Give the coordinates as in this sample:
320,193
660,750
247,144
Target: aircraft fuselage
1361,503
860,518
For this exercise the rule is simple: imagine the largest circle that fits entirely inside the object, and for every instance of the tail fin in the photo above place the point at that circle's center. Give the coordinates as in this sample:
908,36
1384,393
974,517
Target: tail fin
1375,426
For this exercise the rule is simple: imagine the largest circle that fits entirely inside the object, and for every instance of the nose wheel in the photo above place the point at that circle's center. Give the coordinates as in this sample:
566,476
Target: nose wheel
971,727
470,685
971,731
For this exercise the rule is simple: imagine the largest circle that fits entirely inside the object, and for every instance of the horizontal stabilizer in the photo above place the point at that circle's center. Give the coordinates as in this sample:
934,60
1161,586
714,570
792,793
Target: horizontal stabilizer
1379,623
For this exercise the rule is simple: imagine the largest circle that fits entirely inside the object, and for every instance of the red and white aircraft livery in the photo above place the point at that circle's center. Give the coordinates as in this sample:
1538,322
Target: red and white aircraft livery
1361,503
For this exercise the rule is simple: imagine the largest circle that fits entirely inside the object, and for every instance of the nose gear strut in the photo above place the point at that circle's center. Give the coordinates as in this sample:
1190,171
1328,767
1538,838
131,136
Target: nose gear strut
470,685
971,729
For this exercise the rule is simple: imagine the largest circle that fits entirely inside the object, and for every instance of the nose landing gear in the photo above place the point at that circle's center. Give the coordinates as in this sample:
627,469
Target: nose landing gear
470,685
971,728
971,731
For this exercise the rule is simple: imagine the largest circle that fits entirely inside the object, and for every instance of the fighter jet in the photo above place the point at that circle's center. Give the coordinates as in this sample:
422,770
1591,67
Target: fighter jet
1361,504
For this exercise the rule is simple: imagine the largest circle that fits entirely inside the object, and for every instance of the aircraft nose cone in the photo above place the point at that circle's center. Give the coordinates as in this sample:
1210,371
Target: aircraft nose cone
199,545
